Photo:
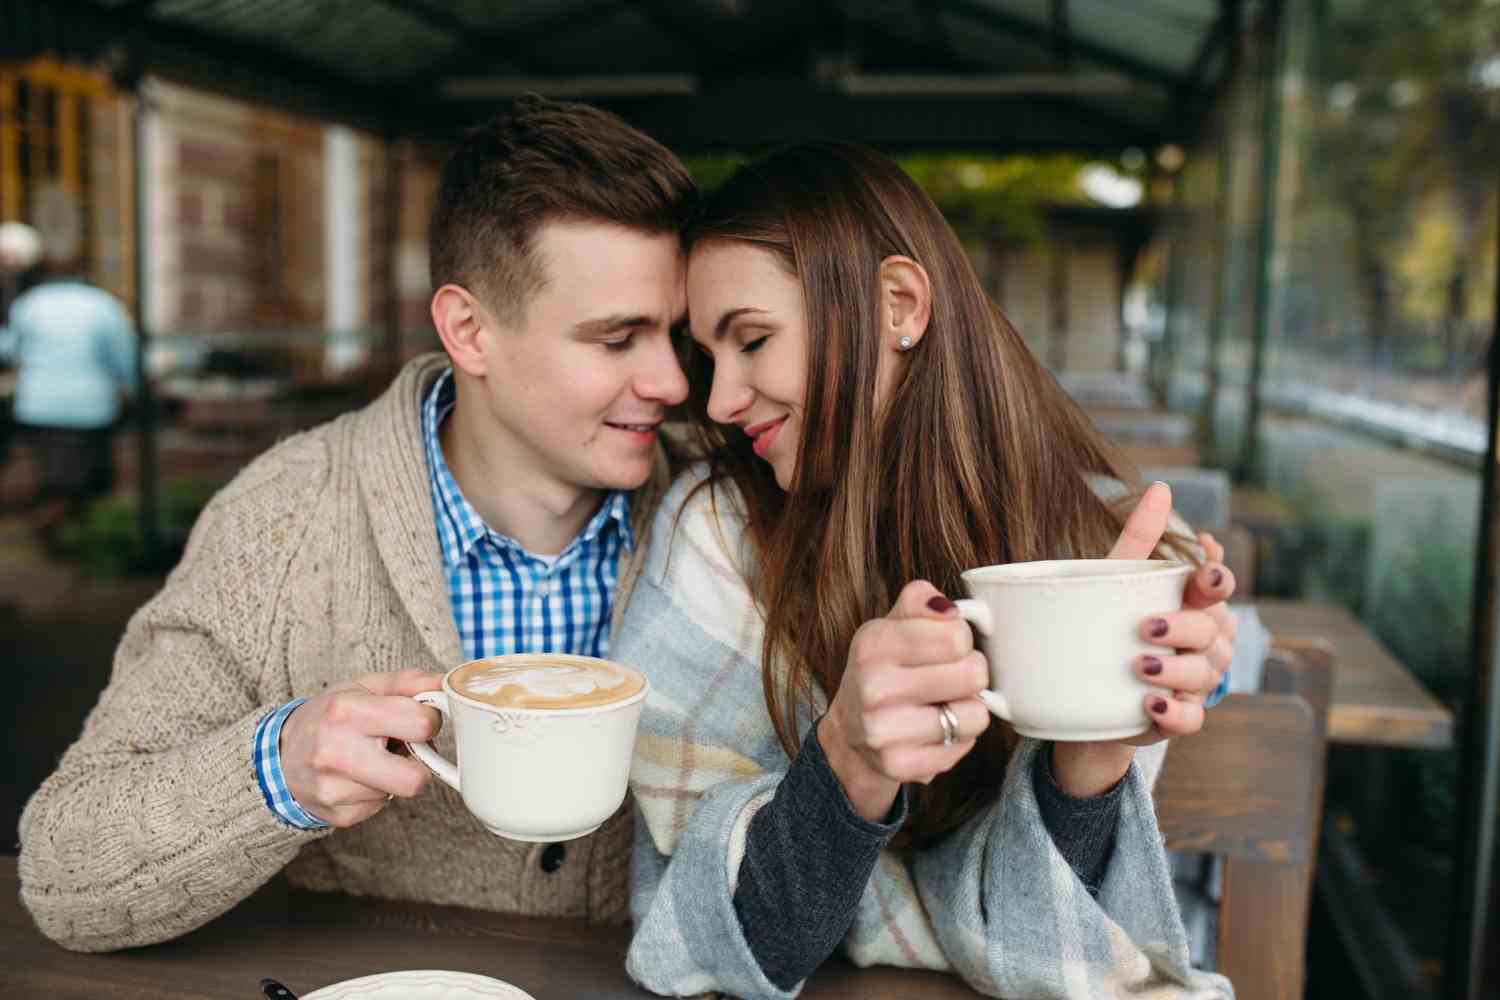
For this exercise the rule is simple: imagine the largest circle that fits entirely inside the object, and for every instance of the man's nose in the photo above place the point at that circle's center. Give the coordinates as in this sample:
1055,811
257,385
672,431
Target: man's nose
663,380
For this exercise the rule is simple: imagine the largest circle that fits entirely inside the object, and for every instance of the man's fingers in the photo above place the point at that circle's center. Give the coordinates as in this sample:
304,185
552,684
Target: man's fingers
403,719
1145,525
382,773
402,683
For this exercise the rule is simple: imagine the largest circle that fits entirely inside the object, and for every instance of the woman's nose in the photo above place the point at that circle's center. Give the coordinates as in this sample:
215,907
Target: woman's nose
727,397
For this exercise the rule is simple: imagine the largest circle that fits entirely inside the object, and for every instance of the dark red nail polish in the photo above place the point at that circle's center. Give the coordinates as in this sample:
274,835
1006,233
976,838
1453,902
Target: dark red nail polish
1150,665
1215,578
1158,627
1159,706
941,604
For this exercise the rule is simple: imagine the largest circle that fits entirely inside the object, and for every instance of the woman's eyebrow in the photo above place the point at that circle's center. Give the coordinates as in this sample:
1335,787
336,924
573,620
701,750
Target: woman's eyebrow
722,326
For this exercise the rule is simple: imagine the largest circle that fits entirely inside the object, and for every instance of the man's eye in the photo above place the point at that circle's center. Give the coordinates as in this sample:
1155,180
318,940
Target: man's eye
754,345
619,345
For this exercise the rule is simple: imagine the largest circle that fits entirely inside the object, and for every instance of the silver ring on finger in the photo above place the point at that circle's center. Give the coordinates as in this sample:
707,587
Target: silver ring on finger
949,722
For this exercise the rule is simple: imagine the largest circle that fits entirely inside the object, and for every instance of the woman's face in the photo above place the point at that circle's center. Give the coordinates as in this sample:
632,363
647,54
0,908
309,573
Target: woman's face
747,313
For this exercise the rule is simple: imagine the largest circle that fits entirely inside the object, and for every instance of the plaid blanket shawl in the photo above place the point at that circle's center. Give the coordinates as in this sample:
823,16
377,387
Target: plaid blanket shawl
994,902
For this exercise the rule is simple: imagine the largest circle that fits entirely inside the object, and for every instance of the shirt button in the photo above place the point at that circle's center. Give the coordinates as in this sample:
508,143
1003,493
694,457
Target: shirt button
552,857
544,588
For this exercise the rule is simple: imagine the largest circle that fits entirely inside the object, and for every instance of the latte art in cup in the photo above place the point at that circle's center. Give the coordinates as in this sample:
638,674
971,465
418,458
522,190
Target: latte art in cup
553,681
544,741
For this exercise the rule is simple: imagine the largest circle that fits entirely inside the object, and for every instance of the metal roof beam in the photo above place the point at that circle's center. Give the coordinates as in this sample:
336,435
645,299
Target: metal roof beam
759,113
140,44
1062,35
484,52
1009,24
1224,27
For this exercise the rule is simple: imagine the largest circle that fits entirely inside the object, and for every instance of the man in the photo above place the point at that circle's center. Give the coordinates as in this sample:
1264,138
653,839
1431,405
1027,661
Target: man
483,505
75,354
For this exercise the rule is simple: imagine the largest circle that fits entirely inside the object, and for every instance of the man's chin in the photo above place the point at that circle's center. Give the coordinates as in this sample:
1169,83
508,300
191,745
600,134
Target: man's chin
625,475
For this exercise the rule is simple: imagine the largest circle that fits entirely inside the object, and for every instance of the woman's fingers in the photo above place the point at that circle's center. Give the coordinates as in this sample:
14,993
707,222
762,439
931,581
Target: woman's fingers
910,642
1174,716
1144,527
1181,630
922,685
1193,674
1212,583
920,725
920,764
1212,551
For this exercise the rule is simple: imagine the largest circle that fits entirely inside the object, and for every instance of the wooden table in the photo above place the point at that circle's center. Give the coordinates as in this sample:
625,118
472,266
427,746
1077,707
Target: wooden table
309,940
1376,700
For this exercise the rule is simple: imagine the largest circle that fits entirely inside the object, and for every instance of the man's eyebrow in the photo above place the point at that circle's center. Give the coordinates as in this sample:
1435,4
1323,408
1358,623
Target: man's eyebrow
722,326
619,321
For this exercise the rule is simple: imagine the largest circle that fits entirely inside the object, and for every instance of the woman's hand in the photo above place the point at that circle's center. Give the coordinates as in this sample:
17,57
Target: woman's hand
886,724
1202,635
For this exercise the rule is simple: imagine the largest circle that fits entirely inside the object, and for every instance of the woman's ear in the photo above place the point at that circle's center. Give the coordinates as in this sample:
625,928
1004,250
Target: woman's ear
905,302
460,322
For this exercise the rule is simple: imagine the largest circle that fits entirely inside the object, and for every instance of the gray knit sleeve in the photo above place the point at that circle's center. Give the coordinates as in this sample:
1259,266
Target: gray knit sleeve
1082,828
808,857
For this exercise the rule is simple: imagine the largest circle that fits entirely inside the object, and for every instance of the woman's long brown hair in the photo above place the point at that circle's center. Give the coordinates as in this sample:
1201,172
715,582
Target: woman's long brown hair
978,457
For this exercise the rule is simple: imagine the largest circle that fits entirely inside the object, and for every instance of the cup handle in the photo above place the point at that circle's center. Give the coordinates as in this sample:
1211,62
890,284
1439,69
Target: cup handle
423,751
977,614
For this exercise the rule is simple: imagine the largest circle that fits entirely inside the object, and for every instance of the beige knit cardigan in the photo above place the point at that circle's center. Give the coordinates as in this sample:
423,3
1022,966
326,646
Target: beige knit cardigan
318,564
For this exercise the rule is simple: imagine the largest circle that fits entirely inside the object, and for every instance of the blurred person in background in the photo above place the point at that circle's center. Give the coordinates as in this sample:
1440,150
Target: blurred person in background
73,347
20,251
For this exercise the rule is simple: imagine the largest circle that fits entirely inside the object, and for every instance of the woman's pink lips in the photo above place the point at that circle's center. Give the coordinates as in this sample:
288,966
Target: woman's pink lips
764,438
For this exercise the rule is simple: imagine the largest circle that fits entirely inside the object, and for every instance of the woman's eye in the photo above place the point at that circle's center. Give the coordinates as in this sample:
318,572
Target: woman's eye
754,345
619,345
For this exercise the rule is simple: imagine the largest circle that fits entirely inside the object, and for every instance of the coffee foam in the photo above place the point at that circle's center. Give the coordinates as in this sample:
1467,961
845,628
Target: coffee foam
546,682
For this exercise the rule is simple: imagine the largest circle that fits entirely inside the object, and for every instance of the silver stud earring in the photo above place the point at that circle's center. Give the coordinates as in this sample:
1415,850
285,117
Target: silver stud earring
904,343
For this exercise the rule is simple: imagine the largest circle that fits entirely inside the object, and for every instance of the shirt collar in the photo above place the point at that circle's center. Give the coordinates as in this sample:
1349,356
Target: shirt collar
460,526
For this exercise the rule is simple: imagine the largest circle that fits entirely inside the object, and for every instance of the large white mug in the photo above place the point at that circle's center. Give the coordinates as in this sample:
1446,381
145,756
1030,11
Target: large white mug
537,774
1062,638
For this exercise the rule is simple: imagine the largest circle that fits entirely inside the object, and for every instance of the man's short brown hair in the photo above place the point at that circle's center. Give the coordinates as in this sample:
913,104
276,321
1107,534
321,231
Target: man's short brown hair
539,162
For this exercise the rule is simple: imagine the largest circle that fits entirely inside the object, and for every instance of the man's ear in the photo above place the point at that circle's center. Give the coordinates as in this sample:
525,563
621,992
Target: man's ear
460,321
905,302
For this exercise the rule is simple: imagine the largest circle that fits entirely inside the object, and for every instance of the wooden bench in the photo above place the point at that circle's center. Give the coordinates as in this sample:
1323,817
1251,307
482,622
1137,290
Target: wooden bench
1249,788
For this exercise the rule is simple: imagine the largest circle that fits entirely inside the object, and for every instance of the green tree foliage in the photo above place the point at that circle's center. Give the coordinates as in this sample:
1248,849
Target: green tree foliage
1404,133
983,197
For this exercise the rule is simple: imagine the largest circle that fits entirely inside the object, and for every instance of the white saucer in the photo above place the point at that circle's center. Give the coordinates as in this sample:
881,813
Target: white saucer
421,984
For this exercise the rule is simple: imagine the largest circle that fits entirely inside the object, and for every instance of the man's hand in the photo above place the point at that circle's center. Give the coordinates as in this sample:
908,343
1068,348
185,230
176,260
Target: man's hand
333,747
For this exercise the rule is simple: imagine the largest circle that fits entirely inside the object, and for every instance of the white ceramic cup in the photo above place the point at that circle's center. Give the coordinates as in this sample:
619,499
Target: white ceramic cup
1062,637
536,774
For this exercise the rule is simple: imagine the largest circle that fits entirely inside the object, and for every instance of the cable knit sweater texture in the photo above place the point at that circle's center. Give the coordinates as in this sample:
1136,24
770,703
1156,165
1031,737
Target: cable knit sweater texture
317,564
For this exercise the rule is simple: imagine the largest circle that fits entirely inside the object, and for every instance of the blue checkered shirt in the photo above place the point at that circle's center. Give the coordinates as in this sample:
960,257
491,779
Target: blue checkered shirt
504,599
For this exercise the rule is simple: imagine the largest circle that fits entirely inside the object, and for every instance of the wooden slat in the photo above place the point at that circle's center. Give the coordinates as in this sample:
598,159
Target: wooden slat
1242,786
1376,700
1263,936
10,151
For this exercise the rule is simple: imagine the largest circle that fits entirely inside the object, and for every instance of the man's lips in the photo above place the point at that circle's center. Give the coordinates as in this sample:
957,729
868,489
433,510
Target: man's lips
644,427
764,434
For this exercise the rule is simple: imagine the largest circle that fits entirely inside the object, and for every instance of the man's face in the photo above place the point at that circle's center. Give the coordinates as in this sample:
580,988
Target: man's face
582,379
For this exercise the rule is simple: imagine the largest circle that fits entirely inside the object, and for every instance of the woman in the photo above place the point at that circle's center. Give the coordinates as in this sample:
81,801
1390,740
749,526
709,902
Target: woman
813,767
